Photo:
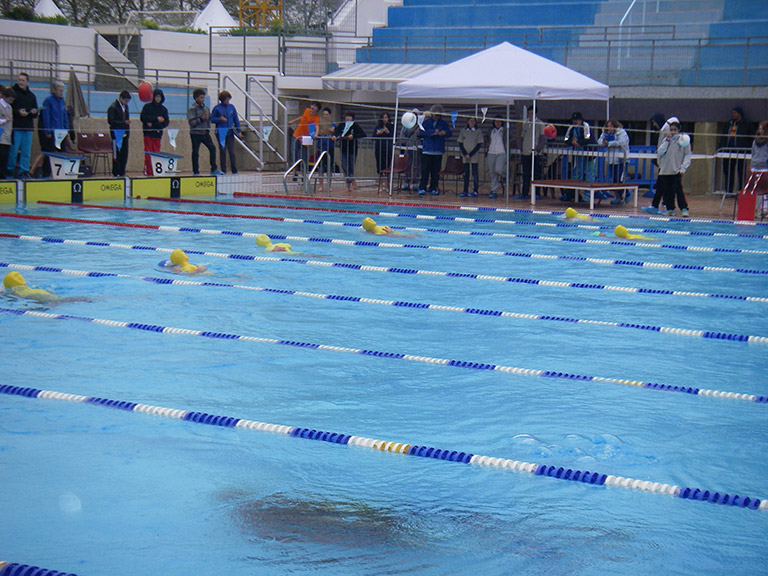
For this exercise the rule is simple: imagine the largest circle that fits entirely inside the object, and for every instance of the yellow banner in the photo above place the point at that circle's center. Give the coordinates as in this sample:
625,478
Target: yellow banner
8,192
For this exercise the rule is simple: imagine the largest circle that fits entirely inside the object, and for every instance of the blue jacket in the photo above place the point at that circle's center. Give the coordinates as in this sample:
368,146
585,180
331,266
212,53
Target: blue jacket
434,144
54,115
229,115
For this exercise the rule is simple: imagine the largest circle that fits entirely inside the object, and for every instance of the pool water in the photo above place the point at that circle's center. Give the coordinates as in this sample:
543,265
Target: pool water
93,490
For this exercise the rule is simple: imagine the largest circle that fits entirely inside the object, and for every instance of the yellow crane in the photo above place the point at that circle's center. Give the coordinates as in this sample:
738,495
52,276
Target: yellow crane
260,13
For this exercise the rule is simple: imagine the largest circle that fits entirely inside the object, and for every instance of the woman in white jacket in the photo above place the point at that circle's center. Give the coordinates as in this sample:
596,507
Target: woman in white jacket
674,158
616,139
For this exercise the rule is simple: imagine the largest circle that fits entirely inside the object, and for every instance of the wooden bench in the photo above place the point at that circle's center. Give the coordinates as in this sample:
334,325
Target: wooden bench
580,185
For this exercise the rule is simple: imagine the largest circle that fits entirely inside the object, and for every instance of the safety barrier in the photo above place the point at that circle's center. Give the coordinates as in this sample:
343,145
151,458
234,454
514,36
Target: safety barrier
483,277
559,472
395,356
708,334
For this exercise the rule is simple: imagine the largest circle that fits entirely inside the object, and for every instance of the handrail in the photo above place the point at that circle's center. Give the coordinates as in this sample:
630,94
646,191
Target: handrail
226,78
621,23
288,172
281,107
318,162
251,152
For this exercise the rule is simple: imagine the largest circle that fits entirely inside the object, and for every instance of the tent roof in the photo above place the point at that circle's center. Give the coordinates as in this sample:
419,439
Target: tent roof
47,8
214,14
375,77
499,75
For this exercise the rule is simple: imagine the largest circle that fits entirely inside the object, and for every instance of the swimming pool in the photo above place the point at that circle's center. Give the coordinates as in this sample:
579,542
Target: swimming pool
514,353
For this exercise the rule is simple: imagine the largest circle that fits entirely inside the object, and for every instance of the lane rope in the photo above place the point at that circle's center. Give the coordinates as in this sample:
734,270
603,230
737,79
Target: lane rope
707,334
407,229
488,209
470,251
393,355
15,569
448,218
414,271
448,455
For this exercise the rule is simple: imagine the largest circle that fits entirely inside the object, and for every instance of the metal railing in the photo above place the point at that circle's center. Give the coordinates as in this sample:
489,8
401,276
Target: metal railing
663,62
20,48
262,118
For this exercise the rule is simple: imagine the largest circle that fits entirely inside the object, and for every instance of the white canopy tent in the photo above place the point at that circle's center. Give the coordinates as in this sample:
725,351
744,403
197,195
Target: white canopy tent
500,75
214,14
48,9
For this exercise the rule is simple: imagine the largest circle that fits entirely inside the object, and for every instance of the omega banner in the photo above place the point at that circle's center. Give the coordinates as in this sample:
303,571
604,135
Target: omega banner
175,187
8,190
75,191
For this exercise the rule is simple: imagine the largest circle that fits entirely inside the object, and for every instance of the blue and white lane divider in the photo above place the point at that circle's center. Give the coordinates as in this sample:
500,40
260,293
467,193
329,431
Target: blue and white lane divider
481,208
432,230
14,569
614,242
488,220
708,334
348,266
559,472
393,355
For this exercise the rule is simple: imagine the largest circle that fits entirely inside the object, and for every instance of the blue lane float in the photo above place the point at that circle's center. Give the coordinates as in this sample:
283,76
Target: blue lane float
483,277
720,336
14,569
557,213
615,242
586,477
396,356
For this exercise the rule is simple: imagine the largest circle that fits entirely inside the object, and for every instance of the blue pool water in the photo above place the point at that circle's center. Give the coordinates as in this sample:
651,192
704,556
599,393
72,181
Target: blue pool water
93,490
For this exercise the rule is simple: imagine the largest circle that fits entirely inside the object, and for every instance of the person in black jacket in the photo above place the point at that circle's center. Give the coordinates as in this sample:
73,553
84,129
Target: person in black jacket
119,118
154,119
382,146
738,135
24,113
348,133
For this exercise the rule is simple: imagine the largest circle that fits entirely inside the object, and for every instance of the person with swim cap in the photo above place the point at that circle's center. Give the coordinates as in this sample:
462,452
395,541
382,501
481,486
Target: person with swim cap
571,214
179,264
15,284
370,226
622,232
264,241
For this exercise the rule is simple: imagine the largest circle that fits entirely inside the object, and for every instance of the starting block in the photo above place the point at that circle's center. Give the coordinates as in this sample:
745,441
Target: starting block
65,165
757,184
164,164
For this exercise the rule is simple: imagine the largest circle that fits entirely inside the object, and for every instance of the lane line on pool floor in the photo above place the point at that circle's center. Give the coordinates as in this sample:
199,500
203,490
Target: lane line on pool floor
331,223
676,247
707,334
408,271
490,209
159,329
558,472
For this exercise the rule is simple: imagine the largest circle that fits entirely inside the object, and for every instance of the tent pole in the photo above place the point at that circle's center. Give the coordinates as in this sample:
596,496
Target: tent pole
506,191
533,155
394,141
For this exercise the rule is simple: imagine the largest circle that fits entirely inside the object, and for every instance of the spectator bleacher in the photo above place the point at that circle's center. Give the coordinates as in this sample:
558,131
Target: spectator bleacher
663,42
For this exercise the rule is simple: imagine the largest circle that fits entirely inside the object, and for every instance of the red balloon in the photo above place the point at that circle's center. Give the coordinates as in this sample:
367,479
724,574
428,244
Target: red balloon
145,92
550,131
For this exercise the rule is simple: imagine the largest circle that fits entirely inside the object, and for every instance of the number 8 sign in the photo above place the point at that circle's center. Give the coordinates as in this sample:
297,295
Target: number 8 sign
164,164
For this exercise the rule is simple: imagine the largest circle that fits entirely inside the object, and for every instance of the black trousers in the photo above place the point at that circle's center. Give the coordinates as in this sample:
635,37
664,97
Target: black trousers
205,140
5,150
229,148
430,170
46,145
119,157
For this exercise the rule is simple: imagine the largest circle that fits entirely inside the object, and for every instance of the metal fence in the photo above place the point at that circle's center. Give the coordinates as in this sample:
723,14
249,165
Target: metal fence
39,52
